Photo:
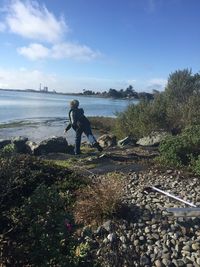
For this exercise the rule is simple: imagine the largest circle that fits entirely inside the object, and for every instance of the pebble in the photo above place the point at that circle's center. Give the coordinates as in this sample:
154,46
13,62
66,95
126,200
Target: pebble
151,237
158,263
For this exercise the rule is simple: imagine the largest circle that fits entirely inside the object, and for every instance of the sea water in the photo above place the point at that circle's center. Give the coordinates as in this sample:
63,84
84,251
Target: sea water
39,115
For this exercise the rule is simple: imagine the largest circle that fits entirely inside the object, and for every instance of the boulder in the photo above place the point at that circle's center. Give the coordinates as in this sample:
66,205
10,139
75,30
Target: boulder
4,142
20,144
107,140
153,139
51,145
31,146
126,141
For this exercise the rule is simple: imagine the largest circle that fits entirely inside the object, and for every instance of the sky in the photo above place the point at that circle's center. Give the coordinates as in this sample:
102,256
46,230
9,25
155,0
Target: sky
71,45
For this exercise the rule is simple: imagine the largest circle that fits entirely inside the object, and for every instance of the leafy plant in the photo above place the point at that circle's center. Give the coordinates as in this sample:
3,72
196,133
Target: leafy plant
39,230
174,109
36,222
8,150
181,150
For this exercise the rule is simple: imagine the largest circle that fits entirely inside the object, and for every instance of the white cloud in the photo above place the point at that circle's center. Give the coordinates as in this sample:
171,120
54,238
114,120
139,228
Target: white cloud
33,21
64,50
157,83
2,27
24,79
34,51
76,51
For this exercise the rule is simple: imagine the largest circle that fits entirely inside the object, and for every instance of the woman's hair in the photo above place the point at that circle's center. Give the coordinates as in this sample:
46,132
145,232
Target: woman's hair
74,103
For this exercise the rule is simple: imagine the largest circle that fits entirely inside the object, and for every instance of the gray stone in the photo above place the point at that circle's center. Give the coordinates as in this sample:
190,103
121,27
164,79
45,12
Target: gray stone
179,263
186,248
107,140
31,146
136,242
4,142
101,231
123,239
158,263
112,237
195,246
167,262
153,139
126,141
147,230
52,145
20,144
108,225
145,260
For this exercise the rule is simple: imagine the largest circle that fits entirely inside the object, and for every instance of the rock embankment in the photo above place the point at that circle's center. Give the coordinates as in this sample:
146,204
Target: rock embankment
146,235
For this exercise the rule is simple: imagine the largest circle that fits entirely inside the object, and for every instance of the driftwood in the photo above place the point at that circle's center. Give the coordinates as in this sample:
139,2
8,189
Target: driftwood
184,212
172,196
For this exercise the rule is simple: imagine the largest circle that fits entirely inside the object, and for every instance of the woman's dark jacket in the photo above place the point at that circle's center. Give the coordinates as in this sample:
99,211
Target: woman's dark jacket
77,119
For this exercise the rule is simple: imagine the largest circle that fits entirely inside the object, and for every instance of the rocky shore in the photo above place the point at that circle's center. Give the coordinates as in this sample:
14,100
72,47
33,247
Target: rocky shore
146,235
142,233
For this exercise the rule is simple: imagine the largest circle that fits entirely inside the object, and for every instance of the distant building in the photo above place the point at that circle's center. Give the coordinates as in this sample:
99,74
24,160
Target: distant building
45,89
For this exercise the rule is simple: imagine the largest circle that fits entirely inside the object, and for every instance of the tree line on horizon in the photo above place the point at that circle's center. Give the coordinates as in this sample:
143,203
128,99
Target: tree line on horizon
129,92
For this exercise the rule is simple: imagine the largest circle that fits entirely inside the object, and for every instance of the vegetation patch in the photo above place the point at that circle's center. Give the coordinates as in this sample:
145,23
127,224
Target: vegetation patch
182,150
103,124
172,110
36,223
100,200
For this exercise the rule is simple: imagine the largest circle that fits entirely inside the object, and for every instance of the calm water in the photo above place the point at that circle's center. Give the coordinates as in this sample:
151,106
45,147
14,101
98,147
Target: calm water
39,115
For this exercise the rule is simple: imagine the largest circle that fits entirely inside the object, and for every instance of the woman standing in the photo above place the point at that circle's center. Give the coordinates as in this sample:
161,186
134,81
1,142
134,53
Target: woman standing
80,124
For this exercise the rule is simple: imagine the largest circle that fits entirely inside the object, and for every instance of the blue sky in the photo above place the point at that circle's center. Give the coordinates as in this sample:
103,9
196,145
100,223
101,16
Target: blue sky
97,44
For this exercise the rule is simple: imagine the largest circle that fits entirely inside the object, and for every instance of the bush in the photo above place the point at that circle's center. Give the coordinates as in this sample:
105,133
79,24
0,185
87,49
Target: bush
141,119
195,165
174,109
182,150
39,236
8,150
36,203
104,124
100,200
21,174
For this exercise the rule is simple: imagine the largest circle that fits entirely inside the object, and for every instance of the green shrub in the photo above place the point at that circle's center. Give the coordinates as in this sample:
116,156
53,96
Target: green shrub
39,233
175,108
195,165
181,150
36,203
141,119
8,150
21,174
104,124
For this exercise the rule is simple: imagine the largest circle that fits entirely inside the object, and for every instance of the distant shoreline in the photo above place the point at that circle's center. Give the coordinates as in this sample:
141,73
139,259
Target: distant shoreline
37,91
68,94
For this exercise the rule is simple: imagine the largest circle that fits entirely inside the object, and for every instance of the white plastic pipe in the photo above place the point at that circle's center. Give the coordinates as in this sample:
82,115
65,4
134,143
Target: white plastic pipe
184,212
172,196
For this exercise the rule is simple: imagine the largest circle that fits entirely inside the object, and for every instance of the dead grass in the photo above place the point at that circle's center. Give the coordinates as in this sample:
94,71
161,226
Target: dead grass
99,201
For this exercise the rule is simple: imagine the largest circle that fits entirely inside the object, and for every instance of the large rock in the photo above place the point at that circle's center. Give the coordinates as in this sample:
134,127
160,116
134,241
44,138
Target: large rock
4,142
31,146
51,145
153,139
20,144
126,141
107,140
